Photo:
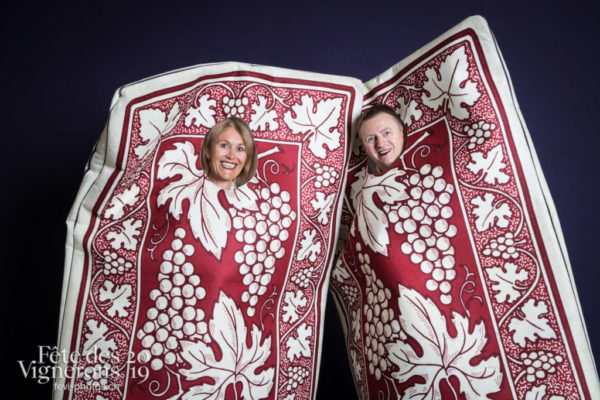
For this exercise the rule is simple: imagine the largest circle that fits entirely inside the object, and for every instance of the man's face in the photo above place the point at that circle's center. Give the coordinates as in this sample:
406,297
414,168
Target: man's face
383,139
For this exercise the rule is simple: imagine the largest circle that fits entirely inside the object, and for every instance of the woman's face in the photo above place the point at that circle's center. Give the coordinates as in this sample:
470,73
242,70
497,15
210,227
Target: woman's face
227,157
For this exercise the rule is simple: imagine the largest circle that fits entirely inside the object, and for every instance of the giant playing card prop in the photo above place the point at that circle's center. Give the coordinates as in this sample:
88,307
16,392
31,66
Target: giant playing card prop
177,289
452,282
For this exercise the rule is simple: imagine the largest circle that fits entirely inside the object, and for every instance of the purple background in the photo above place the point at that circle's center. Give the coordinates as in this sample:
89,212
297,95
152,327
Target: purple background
61,65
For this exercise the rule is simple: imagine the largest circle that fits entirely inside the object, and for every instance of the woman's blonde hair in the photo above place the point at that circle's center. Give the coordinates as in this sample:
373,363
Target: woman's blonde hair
243,129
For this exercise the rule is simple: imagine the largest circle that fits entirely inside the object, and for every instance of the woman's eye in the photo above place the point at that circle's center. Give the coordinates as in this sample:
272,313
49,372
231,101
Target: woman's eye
223,145
240,149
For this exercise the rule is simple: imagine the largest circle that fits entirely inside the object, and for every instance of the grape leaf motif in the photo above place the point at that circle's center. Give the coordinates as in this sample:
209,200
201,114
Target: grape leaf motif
339,272
532,325
238,362
309,248
96,339
117,298
126,235
442,355
243,197
154,124
118,203
317,122
293,302
488,213
203,114
372,221
539,392
209,221
322,206
449,87
262,118
408,111
491,164
505,279
299,346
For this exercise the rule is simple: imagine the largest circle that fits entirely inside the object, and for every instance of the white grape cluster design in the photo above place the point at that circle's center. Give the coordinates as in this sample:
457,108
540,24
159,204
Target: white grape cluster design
262,232
502,247
115,264
539,363
380,325
233,106
350,293
478,133
326,175
174,315
424,218
303,276
296,376
97,375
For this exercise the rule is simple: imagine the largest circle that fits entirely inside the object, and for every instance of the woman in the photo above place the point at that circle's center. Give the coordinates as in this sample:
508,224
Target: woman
229,153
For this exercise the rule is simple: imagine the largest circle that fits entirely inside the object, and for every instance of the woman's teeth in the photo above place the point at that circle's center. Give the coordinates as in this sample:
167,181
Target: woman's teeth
228,165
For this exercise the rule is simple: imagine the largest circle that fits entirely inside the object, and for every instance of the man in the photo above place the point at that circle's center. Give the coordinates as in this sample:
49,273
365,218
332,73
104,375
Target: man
382,135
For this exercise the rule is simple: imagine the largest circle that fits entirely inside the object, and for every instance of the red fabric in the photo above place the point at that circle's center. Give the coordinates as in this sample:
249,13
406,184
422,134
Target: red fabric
444,284
216,294
453,282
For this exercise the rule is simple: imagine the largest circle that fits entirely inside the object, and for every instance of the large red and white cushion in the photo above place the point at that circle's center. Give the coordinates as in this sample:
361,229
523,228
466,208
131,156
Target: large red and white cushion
176,289
454,281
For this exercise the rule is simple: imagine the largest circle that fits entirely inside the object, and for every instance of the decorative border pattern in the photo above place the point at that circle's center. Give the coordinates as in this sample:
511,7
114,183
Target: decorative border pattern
449,235
155,317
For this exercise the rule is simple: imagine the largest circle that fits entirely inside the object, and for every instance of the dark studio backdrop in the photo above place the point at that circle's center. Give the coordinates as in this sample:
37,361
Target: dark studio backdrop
61,64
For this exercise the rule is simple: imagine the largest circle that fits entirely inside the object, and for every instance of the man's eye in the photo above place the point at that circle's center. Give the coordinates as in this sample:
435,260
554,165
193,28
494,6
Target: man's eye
387,133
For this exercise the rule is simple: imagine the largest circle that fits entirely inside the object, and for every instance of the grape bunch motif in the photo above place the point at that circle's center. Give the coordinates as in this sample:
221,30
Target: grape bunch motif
539,364
350,294
174,316
380,325
304,276
234,107
296,376
262,232
115,264
478,133
424,217
97,375
326,175
503,246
